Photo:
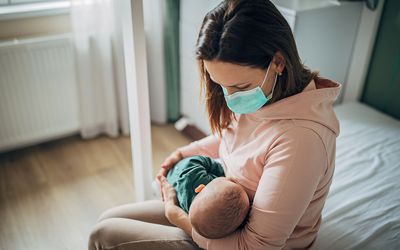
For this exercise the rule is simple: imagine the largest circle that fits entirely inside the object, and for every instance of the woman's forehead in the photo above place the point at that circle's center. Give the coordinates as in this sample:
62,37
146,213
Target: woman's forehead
229,74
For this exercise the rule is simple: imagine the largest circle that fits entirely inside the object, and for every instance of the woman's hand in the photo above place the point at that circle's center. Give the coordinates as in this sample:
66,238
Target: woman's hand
168,163
170,200
173,212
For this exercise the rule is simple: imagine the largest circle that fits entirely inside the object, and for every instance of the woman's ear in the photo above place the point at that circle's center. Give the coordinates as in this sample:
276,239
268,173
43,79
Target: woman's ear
279,62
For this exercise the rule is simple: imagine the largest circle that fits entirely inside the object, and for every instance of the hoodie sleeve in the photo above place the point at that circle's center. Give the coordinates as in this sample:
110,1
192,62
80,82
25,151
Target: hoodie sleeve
208,146
293,168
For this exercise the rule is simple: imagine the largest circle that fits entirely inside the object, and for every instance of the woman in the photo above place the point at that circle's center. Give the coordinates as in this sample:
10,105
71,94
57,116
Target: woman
273,128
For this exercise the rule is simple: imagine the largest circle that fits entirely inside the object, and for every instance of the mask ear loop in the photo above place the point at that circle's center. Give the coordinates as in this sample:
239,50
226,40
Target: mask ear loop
265,77
273,87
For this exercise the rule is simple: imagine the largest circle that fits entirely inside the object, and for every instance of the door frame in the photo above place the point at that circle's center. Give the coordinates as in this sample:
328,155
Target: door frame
138,97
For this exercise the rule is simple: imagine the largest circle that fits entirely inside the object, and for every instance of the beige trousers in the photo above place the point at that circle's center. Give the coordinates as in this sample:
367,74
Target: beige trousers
140,225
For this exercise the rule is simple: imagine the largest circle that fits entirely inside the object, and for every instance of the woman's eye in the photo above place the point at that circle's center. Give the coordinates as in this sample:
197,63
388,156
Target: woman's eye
243,87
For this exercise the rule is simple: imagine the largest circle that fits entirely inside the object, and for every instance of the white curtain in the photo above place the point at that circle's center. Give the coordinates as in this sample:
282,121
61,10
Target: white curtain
100,67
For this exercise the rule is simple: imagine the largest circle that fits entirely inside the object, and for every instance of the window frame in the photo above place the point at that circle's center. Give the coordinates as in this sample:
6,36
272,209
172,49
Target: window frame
34,9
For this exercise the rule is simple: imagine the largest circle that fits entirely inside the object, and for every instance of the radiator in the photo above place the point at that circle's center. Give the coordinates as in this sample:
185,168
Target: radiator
38,91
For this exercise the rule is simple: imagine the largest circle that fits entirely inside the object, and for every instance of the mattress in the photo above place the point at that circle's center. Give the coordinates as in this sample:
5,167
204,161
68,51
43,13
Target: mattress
362,210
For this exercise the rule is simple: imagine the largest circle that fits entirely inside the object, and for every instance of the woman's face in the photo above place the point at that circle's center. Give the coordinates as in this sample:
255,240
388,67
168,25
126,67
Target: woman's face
239,78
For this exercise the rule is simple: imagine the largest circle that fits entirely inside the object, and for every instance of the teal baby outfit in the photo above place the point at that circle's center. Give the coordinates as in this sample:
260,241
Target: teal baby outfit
189,173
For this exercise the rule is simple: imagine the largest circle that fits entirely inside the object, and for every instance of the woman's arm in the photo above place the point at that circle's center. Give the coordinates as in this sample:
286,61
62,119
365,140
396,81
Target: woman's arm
181,220
207,146
293,169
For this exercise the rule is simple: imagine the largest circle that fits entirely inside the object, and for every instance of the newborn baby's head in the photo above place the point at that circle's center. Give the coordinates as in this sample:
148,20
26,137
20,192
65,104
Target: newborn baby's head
219,209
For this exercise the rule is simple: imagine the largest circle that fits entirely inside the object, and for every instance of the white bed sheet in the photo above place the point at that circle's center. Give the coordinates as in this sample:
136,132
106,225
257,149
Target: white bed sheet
362,210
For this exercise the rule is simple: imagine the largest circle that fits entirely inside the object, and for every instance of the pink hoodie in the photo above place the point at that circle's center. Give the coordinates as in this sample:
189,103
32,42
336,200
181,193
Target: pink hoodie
284,157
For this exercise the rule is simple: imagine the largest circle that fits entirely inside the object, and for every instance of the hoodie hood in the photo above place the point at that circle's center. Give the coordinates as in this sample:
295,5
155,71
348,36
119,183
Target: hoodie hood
314,103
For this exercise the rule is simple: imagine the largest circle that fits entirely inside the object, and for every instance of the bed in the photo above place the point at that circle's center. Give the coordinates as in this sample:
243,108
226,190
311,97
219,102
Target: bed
362,210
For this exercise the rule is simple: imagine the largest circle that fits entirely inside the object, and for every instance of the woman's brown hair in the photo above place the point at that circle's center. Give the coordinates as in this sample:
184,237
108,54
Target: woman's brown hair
247,33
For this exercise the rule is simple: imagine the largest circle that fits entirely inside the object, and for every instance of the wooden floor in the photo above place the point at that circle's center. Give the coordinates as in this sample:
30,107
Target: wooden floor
52,194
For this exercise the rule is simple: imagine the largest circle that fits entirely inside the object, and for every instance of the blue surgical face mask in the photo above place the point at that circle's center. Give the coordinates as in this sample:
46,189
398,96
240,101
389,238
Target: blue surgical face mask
248,101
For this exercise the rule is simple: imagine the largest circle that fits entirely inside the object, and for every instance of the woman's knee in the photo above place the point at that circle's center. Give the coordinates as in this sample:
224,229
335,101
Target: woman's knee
107,214
94,242
148,211
121,211
102,235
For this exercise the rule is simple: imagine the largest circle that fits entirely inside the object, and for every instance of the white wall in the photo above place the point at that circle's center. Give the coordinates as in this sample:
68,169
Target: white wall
192,13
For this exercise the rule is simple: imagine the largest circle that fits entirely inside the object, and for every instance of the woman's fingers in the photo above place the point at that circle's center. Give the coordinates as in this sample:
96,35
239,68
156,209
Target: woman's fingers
172,210
158,179
168,163
165,187
168,191
162,172
171,160
162,185
165,167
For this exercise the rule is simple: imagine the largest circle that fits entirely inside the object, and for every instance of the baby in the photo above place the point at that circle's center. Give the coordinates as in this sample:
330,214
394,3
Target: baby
216,205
